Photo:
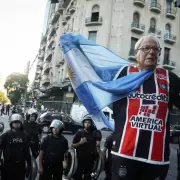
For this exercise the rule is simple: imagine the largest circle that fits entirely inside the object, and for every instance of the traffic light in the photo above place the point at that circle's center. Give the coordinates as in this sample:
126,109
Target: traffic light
54,1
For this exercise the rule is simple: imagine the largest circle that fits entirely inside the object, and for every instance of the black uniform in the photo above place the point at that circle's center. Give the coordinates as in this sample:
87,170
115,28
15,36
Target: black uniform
108,144
54,150
33,131
15,148
86,153
139,166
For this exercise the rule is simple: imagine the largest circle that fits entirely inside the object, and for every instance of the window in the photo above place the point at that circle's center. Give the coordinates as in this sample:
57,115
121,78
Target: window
166,55
168,4
152,28
92,35
136,17
168,28
133,42
95,13
153,22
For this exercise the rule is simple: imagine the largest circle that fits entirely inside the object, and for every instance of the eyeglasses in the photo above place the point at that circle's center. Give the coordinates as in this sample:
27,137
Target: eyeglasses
147,49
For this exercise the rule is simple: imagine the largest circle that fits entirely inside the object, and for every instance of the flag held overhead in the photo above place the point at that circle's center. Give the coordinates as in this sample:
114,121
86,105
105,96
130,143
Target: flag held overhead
92,71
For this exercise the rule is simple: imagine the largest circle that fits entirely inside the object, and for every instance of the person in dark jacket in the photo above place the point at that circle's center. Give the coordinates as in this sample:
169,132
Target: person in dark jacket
14,145
86,142
33,131
108,159
53,151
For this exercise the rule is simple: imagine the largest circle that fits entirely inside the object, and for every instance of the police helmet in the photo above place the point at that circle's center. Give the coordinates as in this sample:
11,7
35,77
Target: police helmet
87,117
57,124
30,112
16,118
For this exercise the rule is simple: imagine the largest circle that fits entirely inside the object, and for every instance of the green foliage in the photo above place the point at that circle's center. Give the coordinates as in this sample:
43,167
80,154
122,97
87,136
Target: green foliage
16,85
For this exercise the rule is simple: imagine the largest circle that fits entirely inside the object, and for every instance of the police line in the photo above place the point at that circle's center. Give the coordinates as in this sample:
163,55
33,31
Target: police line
71,167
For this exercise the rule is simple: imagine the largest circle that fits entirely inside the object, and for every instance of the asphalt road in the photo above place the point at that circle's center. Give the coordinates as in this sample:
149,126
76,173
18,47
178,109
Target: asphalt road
173,166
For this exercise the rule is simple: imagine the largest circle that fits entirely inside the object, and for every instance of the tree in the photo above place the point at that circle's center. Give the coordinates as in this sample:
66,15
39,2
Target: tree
3,98
16,86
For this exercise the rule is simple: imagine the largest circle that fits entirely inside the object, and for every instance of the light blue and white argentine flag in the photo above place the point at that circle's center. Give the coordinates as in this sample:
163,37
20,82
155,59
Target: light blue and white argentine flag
92,70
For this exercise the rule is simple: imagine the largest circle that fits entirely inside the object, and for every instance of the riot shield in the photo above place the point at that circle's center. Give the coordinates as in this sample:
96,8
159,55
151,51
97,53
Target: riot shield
32,170
1,127
98,166
71,164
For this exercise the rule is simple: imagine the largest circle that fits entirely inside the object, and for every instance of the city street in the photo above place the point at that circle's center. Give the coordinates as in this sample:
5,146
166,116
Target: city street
172,170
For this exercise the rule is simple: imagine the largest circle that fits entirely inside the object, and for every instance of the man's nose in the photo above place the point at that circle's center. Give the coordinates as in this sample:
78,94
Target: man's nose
152,51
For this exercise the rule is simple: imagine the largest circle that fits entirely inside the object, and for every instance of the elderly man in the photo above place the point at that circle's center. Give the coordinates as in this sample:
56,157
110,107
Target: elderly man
141,141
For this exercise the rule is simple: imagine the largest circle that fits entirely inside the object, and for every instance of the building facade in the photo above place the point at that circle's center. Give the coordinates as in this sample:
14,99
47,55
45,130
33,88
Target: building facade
115,24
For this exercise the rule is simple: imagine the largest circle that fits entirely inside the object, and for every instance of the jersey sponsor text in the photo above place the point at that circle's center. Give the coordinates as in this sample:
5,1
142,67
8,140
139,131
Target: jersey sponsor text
153,97
146,123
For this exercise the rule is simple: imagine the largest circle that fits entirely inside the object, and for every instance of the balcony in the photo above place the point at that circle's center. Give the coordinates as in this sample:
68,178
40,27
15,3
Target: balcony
93,22
46,81
68,15
50,42
137,28
48,55
50,65
131,55
46,67
54,17
64,21
155,32
41,55
155,7
38,71
167,64
171,13
72,9
52,31
43,46
140,3
57,26
40,65
169,38
60,62
53,45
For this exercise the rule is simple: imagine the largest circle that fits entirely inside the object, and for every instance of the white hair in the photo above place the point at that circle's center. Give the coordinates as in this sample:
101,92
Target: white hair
138,43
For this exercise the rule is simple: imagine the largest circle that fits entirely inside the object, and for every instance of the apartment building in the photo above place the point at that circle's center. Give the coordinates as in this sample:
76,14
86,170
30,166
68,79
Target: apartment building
115,24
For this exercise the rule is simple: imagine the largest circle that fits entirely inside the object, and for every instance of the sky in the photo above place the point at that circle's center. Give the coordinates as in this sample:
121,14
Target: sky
20,34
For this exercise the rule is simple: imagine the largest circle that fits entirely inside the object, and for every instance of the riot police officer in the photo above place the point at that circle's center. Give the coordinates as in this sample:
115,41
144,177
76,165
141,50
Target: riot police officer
86,141
53,151
15,148
33,131
107,147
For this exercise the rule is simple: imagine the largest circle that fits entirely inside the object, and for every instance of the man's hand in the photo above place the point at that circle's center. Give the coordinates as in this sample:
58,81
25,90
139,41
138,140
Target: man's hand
83,140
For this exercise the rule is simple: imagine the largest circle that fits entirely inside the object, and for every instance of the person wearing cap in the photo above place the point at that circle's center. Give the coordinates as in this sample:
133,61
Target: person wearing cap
53,151
86,142
33,131
14,145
